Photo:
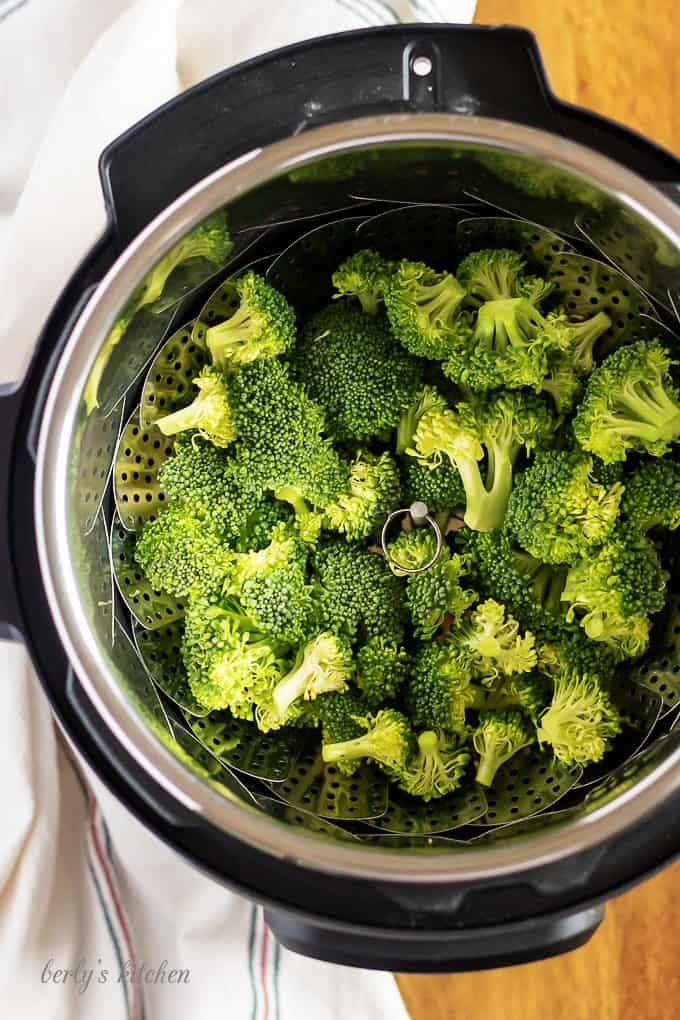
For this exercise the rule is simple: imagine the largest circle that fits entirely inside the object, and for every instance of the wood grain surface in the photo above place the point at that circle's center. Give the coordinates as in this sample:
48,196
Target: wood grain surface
620,58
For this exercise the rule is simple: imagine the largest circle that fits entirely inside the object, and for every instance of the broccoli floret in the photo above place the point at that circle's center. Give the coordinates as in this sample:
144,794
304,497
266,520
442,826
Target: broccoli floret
562,383
581,720
573,651
263,516
363,275
208,241
529,692
198,477
499,735
582,339
323,666
387,739
373,492
307,520
271,584
510,344
652,496
210,413
608,474
493,643
426,400
281,437
630,403
204,479
230,663
381,669
492,274
351,364
440,488
360,596
436,768
262,326
422,306
497,426
339,715
437,592
557,512
440,690
179,553
530,590
613,592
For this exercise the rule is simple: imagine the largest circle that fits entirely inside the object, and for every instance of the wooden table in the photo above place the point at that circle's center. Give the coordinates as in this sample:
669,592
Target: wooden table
620,58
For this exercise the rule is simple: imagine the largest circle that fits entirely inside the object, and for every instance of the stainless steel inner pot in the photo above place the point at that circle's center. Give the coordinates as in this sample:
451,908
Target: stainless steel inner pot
412,157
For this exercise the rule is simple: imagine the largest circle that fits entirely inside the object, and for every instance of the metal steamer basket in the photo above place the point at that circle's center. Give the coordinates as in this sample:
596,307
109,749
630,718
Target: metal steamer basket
411,145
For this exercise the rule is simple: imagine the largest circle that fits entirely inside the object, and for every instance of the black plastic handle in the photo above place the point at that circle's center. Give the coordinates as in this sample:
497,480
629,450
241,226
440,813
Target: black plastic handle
503,945
11,397
475,69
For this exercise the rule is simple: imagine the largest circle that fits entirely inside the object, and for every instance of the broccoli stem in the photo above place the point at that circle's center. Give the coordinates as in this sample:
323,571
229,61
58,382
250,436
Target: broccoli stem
489,764
654,415
441,300
237,329
360,747
485,505
370,302
191,417
307,681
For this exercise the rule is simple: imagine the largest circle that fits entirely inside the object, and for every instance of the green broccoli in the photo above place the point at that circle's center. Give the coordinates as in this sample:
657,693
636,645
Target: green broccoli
422,306
652,496
582,339
210,414
262,326
198,477
531,591
209,241
562,383
440,689
492,274
437,767
436,593
351,364
322,666
425,401
581,720
499,735
381,670
440,488
360,597
180,553
491,639
498,426
308,521
557,512
339,714
387,739
630,403
613,592
529,692
230,663
365,276
573,651
373,493
204,479
282,438
271,584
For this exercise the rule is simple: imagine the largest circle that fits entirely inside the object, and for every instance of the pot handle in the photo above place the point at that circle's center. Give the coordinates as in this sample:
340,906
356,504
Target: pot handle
11,397
438,952
473,69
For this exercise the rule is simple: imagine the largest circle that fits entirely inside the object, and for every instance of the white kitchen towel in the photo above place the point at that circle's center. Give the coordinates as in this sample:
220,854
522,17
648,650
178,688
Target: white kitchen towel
98,918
